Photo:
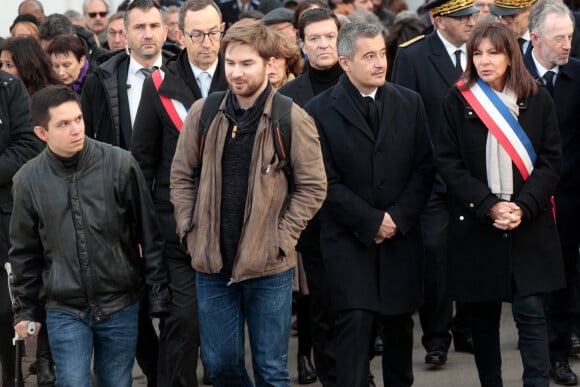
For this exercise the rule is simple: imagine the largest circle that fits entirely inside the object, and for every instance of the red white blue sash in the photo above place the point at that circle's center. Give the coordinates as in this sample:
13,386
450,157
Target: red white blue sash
175,109
502,124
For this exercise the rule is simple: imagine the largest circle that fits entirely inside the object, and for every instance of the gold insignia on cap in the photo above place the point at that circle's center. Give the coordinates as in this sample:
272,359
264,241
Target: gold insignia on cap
514,3
452,6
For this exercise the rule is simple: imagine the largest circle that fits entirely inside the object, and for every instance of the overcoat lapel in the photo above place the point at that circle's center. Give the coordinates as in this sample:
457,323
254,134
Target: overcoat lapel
343,104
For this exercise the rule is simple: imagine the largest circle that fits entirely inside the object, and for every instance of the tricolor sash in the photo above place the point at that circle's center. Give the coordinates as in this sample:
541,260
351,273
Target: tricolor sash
175,109
502,124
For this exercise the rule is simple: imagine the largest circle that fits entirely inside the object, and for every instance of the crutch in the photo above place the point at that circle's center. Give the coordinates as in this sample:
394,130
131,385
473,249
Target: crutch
17,341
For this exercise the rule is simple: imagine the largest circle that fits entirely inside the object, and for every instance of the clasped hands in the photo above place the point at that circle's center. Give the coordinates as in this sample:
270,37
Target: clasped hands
387,230
506,215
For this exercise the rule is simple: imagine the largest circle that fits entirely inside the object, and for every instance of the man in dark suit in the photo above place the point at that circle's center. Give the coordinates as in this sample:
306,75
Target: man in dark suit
370,233
551,29
318,29
109,101
430,65
197,71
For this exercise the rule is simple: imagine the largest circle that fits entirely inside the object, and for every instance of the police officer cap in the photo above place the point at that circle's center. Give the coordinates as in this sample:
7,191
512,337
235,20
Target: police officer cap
451,7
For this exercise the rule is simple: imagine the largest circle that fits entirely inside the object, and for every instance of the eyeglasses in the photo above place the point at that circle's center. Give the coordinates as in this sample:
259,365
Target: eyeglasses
93,15
197,37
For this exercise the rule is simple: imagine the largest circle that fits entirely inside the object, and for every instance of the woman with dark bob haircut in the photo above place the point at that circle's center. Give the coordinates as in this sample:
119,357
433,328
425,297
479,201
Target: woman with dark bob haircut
498,151
69,61
30,63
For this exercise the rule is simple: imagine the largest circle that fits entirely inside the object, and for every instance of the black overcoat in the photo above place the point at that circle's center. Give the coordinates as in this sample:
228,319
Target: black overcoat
367,176
484,262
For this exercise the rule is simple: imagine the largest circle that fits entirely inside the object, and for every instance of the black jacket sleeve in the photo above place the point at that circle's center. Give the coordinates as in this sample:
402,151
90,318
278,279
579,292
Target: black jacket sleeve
18,143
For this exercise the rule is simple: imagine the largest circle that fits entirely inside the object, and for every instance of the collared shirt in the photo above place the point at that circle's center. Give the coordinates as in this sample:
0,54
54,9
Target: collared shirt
450,48
541,69
135,84
196,71
372,94
526,36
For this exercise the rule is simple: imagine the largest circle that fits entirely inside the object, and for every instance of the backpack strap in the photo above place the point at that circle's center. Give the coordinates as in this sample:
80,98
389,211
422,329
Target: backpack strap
282,131
208,113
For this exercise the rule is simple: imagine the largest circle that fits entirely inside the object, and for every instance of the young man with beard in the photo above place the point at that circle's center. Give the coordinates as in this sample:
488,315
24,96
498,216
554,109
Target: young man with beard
238,218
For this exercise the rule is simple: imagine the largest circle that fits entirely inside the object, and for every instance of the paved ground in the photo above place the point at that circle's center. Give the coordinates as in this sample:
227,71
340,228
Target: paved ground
458,372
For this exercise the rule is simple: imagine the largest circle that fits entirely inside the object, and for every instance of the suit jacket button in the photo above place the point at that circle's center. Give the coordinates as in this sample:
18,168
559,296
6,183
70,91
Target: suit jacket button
471,205
505,235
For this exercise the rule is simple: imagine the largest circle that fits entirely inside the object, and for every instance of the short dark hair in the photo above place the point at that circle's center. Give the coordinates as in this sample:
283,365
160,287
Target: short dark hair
67,44
195,5
144,5
49,97
315,15
55,25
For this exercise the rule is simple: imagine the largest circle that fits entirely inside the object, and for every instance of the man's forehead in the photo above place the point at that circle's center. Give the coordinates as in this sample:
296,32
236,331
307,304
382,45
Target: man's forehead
321,27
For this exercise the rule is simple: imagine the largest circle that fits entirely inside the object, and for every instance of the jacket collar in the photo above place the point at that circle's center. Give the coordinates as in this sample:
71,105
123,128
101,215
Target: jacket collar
440,59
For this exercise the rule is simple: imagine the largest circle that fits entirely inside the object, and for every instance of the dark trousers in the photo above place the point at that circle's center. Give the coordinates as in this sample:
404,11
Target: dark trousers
303,324
354,335
562,304
147,351
181,338
436,313
528,313
322,320
7,353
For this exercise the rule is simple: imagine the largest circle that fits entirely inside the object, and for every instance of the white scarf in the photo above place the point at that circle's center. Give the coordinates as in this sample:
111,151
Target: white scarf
498,162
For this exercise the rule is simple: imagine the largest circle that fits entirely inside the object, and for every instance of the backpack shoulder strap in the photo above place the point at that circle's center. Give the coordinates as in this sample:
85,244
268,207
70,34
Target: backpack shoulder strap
208,113
282,130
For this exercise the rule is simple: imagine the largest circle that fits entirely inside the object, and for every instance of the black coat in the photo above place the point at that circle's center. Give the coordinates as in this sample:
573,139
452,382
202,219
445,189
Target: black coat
79,233
366,177
482,261
231,11
299,89
425,67
18,144
155,136
105,103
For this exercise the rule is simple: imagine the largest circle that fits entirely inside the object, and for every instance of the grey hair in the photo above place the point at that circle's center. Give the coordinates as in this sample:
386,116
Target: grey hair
348,34
35,2
362,16
542,9
73,15
55,25
87,2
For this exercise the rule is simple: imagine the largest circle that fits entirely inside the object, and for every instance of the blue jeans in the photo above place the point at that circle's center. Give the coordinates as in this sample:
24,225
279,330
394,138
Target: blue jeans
265,304
530,321
73,337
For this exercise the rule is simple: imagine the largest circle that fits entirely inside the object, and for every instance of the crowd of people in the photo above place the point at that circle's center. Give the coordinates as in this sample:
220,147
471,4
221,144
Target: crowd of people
221,166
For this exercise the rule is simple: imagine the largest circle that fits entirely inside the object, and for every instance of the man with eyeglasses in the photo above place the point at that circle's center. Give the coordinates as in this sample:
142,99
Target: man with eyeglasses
110,99
551,26
167,95
116,39
431,65
96,14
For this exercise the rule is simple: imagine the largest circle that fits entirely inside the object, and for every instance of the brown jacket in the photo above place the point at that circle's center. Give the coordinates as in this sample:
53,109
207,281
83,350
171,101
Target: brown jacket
268,236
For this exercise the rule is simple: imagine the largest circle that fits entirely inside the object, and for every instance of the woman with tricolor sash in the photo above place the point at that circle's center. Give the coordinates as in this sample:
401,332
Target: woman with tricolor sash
498,151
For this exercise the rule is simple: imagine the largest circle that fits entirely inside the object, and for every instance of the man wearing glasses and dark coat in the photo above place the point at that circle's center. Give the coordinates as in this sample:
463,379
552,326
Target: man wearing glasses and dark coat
194,73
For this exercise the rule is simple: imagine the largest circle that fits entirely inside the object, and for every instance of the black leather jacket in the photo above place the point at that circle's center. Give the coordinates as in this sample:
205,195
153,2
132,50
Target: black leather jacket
76,232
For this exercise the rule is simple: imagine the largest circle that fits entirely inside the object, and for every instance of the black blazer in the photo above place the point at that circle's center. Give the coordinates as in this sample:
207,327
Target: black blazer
367,176
425,67
483,262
